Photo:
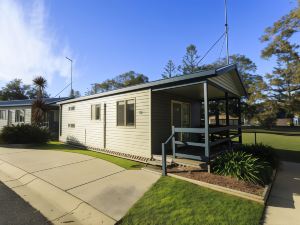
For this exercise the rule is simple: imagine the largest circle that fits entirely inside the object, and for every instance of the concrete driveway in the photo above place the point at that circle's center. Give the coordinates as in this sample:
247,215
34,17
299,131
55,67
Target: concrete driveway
73,188
283,206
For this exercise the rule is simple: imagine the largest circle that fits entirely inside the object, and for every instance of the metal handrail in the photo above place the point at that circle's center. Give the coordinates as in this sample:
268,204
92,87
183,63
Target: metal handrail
164,156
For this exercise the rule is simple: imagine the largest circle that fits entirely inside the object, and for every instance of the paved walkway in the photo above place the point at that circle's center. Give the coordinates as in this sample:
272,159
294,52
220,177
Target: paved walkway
73,188
283,207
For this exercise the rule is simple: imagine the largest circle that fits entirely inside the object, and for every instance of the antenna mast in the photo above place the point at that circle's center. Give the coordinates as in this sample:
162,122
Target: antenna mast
226,33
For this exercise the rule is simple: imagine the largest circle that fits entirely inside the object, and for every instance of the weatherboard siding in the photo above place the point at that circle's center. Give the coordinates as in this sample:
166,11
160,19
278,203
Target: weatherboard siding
161,117
227,82
130,140
27,110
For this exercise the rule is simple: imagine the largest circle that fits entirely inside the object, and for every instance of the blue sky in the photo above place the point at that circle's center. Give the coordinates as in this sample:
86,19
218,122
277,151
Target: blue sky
107,38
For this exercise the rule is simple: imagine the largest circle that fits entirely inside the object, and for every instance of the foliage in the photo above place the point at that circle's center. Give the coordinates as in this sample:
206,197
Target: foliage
284,81
261,151
172,201
242,165
39,106
16,90
169,70
123,80
190,61
24,134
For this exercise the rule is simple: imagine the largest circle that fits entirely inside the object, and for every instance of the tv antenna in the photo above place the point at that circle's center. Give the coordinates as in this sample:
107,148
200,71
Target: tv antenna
226,33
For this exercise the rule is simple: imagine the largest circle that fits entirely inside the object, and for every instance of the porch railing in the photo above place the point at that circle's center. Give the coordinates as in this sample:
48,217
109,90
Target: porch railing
213,141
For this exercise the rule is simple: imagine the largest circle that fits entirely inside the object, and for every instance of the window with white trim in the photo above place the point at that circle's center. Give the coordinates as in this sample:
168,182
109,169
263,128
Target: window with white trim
71,125
2,114
71,108
126,113
96,112
20,116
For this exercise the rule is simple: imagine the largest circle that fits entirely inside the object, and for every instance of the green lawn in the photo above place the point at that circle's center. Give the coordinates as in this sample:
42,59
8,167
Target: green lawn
172,201
125,163
277,141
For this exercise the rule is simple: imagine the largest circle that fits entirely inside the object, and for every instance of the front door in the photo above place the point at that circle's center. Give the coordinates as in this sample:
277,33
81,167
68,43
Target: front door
181,117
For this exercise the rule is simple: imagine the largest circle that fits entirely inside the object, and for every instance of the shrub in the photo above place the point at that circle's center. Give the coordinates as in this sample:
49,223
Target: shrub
241,165
25,134
263,152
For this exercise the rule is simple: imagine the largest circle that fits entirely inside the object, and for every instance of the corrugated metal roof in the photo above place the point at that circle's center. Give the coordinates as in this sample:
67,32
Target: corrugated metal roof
28,102
166,82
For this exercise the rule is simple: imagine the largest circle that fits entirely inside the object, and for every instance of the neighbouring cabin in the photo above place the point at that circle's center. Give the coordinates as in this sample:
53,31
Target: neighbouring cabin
135,121
16,112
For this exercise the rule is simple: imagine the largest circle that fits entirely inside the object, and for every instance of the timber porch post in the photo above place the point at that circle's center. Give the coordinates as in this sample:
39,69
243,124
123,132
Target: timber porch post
240,120
227,113
206,124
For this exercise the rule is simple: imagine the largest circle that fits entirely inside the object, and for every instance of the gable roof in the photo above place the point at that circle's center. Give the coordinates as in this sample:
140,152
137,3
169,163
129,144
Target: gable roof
28,102
199,76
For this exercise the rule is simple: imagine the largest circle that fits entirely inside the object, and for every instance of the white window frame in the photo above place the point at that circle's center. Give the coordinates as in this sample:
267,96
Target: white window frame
125,113
71,108
71,125
18,117
3,114
93,112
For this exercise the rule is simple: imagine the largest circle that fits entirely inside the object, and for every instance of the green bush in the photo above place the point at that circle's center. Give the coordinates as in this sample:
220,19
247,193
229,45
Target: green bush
25,134
243,166
263,152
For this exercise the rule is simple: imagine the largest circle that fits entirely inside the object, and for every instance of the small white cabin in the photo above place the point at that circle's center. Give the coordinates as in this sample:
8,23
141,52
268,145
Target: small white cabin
135,121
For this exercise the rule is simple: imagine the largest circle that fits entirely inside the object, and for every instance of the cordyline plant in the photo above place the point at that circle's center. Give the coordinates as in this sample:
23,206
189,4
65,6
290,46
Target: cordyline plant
241,165
39,106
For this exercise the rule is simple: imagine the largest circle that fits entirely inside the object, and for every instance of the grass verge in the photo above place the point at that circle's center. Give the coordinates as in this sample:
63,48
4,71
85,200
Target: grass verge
125,163
173,201
277,141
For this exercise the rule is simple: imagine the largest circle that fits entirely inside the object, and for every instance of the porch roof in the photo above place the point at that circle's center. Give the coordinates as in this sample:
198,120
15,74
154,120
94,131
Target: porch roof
223,78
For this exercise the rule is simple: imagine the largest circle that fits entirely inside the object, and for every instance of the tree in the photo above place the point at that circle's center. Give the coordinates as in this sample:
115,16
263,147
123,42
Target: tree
123,80
32,93
39,106
169,70
254,84
284,80
190,61
14,90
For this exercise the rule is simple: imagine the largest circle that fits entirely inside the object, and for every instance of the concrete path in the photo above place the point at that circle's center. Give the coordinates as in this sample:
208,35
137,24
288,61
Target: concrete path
73,188
15,211
283,207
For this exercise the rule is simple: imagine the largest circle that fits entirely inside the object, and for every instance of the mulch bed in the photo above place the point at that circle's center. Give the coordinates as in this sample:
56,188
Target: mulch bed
223,181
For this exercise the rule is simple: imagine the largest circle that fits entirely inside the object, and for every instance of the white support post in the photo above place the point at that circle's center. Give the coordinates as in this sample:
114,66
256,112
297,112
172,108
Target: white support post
173,142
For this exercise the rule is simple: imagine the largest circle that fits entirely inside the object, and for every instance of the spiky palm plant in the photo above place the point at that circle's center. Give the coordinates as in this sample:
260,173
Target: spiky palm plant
40,83
39,106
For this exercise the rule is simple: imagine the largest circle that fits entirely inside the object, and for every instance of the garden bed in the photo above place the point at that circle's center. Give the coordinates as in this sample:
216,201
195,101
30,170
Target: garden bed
224,184
224,181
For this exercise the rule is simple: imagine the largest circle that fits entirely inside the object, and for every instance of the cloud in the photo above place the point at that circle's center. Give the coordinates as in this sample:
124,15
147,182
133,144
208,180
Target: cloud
28,46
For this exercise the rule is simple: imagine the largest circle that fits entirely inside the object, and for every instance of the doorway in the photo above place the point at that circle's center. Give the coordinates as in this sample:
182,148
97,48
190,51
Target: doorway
181,117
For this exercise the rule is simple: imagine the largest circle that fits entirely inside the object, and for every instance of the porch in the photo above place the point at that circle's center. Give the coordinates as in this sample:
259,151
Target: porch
193,134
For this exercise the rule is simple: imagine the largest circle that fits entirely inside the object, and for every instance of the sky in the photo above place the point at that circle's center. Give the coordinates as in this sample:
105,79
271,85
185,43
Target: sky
106,38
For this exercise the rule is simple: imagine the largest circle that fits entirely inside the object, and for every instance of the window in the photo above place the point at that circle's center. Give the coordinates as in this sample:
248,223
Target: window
2,114
71,125
126,113
96,112
130,113
20,116
71,108
121,113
